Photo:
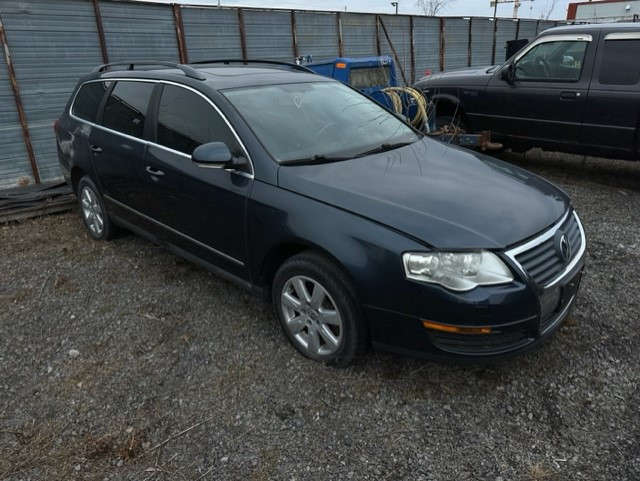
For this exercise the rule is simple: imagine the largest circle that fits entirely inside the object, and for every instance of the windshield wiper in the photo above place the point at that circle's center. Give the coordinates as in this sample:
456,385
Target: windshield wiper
382,148
316,159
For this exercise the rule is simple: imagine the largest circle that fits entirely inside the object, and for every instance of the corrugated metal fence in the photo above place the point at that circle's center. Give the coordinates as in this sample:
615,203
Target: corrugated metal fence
49,45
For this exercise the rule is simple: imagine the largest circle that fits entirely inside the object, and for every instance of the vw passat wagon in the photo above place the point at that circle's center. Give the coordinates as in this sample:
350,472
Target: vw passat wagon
361,230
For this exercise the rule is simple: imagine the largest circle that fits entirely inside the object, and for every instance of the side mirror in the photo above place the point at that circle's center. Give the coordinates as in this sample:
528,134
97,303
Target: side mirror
213,154
508,73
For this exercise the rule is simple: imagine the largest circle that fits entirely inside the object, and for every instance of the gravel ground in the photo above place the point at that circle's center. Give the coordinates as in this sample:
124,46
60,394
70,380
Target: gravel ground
122,361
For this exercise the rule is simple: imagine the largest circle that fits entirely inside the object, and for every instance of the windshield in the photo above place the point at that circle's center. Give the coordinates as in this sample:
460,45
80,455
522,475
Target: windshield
321,121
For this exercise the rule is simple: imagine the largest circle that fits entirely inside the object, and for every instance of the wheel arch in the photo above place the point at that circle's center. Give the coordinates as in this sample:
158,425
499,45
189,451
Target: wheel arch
450,105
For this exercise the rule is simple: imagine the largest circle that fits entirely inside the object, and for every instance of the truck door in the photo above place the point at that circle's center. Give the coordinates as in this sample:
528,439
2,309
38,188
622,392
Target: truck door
613,105
543,101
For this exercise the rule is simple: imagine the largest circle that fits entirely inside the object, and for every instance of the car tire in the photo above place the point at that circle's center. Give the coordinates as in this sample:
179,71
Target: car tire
93,211
318,311
452,122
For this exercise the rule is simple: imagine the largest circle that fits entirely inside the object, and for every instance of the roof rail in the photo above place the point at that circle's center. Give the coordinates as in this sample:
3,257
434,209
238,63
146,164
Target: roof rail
292,66
188,71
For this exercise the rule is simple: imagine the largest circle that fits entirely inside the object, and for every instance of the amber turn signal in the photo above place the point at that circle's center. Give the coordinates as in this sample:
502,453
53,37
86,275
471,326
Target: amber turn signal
436,326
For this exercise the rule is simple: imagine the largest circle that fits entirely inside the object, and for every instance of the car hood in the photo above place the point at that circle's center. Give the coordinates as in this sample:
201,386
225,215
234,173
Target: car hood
440,195
468,76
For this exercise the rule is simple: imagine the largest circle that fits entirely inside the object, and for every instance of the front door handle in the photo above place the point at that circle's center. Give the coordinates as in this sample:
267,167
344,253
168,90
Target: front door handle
569,95
156,172
96,149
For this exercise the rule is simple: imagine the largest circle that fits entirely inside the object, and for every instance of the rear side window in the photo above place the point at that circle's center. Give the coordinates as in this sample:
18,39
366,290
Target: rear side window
88,100
186,120
126,107
620,62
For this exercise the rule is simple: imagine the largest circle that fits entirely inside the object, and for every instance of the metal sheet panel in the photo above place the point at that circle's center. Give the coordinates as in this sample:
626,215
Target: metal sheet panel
528,29
268,35
546,24
359,34
482,41
211,33
506,31
426,39
456,43
52,44
317,35
14,163
399,32
137,31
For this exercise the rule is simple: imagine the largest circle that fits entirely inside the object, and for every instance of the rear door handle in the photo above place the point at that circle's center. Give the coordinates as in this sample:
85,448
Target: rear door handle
569,95
96,150
156,172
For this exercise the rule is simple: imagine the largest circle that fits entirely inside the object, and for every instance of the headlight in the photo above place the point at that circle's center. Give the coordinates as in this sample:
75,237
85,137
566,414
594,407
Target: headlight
458,271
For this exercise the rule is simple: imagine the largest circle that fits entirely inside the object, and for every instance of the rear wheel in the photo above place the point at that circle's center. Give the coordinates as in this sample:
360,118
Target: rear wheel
317,309
93,210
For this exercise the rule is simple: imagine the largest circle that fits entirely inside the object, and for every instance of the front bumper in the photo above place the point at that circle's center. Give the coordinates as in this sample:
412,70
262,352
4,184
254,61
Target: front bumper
523,328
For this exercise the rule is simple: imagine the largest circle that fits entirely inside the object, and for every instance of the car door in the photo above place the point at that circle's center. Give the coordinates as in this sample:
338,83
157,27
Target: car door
613,106
200,209
540,97
117,147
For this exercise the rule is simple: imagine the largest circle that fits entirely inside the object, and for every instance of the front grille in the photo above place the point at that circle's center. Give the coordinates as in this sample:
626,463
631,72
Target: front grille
543,261
493,343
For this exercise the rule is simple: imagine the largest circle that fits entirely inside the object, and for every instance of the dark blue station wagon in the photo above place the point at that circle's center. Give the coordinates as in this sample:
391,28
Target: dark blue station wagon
361,230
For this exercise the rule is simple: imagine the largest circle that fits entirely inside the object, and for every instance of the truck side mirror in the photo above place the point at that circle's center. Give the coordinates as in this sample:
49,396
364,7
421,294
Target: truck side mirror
508,73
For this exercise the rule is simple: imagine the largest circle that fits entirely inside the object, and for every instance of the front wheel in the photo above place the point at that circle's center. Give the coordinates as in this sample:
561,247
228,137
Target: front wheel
317,309
94,212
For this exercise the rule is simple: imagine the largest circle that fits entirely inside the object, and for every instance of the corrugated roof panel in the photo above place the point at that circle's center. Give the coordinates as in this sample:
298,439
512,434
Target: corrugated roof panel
359,35
426,38
52,45
506,31
481,41
456,50
211,33
317,35
139,31
399,32
268,35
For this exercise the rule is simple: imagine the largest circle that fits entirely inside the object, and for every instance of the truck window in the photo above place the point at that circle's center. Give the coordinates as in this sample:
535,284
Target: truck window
556,61
620,62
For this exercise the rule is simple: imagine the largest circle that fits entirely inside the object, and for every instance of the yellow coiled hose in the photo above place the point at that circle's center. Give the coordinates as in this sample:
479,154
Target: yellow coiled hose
420,117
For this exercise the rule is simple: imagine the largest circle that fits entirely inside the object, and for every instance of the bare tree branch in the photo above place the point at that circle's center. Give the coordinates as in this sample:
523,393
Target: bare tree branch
548,9
431,8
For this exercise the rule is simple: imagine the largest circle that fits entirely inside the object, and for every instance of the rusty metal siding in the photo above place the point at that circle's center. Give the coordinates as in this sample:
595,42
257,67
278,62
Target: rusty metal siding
211,33
52,44
268,35
14,164
481,48
359,34
506,31
399,32
137,31
426,37
317,35
456,43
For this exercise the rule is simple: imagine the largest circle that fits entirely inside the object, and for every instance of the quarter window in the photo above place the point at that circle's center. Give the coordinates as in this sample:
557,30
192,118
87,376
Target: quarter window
126,107
88,100
620,64
559,61
186,120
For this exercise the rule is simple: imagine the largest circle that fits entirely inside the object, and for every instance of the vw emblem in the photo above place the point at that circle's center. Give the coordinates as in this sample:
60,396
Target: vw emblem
565,247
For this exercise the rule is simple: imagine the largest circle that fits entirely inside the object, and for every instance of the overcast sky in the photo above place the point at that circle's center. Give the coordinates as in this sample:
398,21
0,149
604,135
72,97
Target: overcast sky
475,8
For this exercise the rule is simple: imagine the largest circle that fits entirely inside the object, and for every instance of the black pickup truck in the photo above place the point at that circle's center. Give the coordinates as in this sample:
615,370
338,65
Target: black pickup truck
572,89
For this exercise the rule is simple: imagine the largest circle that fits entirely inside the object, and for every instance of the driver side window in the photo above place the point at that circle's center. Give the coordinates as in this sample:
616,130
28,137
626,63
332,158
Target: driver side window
557,61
